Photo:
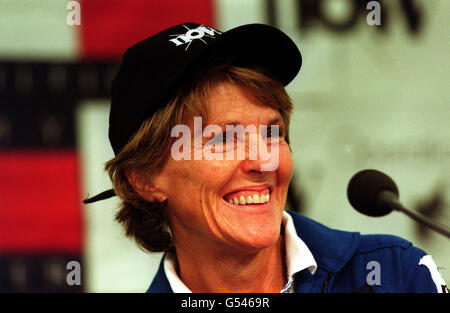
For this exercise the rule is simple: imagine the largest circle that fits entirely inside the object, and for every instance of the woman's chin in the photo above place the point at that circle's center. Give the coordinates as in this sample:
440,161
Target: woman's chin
255,241
252,233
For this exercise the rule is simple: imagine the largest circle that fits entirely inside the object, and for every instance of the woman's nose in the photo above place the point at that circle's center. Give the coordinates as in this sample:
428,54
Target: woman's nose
259,156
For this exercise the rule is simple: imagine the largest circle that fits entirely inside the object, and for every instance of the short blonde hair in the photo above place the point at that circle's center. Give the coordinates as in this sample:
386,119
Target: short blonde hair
150,146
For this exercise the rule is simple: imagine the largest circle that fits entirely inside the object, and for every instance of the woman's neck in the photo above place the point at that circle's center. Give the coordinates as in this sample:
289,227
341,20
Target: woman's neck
204,270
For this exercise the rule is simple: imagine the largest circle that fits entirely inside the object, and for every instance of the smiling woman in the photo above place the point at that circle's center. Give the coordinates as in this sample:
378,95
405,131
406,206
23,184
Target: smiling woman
190,197
221,220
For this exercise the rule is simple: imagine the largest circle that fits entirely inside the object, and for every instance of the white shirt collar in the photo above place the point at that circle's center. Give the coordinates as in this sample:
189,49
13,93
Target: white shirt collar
298,257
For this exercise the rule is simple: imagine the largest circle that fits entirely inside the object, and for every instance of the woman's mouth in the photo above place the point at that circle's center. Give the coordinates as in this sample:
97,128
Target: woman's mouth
246,197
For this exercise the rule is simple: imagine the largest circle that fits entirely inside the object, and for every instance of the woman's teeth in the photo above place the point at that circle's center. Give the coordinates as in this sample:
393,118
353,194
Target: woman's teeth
256,198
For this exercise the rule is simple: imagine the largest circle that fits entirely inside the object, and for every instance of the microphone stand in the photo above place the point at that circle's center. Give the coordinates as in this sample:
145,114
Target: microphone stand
390,200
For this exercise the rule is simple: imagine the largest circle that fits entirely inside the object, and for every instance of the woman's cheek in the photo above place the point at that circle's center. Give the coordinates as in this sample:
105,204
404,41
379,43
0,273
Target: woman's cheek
285,168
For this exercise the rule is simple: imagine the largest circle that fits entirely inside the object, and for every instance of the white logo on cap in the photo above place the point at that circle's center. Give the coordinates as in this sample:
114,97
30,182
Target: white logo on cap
192,34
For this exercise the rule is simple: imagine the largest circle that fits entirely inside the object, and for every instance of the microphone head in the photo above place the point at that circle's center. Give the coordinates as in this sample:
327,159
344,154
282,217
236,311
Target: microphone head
364,188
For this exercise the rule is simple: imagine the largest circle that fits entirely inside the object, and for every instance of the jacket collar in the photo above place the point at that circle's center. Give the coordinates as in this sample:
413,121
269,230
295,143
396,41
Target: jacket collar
332,249
160,283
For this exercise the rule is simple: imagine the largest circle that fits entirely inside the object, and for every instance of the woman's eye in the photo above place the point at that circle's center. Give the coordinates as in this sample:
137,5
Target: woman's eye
220,138
233,137
229,137
273,132
225,138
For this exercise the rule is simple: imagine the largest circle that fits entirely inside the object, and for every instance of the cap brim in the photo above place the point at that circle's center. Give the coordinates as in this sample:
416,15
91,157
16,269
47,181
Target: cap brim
248,45
261,45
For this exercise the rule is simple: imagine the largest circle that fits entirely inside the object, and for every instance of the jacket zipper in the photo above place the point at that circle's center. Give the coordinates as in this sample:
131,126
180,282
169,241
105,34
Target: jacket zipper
325,284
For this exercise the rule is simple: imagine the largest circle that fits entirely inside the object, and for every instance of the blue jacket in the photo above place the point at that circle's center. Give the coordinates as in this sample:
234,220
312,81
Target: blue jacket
345,263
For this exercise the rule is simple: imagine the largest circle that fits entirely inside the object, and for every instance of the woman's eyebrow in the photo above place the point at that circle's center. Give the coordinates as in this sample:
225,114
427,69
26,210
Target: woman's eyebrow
274,121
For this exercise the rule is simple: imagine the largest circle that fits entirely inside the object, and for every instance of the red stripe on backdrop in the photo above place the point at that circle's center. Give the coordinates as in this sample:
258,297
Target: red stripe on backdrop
109,27
40,203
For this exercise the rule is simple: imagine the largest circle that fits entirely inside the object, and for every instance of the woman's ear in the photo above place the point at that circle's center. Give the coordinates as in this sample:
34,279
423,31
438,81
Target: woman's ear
144,187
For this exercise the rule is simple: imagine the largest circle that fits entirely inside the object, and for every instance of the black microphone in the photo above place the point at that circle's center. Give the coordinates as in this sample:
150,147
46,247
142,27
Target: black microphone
373,193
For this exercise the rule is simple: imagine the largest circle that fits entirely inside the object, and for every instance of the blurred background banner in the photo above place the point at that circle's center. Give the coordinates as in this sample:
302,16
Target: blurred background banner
372,93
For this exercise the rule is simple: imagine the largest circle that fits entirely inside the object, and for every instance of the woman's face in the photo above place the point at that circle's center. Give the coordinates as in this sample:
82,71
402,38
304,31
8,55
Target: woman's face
199,192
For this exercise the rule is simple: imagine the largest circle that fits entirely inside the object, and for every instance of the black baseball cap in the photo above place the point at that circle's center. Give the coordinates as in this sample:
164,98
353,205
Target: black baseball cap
153,69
